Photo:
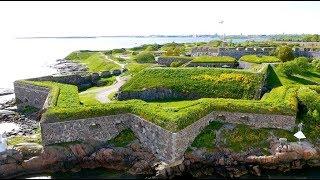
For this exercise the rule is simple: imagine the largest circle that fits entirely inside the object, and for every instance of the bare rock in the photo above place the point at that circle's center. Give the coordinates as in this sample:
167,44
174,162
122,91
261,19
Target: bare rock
141,167
29,149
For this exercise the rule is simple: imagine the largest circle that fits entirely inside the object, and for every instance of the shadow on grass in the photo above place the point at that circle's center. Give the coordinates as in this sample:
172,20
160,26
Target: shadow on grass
314,74
301,80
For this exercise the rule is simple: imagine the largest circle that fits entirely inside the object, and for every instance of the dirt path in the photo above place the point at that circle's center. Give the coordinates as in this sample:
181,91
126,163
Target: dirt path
102,95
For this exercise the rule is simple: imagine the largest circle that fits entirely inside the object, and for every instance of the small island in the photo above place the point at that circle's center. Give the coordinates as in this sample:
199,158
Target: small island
170,110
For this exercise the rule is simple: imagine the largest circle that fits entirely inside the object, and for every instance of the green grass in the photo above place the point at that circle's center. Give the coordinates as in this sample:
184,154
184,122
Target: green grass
310,77
123,138
14,140
111,96
207,136
89,99
95,61
199,82
177,115
214,59
134,68
243,137
107,81
259,60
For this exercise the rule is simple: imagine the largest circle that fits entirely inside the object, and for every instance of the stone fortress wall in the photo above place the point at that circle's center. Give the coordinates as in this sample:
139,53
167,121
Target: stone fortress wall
167,146
31,95
240,51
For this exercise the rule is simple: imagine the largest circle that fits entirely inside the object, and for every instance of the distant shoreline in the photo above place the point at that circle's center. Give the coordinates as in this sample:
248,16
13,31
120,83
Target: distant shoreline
147,36
160,36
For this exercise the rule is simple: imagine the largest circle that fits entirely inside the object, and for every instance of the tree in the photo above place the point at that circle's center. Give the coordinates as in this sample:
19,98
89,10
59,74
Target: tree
285,53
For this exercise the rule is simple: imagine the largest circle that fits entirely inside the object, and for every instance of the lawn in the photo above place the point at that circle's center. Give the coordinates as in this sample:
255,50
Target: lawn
260,59
214,59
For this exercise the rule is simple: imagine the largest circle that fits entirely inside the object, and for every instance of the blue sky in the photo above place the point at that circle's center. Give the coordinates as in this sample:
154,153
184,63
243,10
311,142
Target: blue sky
146,18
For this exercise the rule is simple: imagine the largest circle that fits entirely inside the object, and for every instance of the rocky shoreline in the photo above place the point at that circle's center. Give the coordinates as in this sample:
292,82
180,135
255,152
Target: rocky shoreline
32,158
27,122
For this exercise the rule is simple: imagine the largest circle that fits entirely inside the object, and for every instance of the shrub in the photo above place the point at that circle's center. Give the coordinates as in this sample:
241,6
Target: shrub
122,50
285,53
297,66
316,64
145,57
311,99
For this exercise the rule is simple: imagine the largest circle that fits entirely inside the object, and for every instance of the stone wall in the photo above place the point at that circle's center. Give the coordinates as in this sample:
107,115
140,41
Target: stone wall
306,52
98,128
232,52
166,146
31,95
239,52
104,128
245,65
168,60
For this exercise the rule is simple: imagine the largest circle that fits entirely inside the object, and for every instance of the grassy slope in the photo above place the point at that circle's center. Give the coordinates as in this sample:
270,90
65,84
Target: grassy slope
96,61
259,60
204,82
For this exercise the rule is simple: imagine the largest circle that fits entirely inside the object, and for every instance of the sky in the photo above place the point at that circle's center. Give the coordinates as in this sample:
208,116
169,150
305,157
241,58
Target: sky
25,19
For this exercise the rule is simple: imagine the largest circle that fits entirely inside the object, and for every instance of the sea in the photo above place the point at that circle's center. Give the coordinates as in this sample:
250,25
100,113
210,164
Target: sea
23,58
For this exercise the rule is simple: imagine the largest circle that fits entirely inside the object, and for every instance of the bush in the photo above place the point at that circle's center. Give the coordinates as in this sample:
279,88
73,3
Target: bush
316,64
311,99
122,50
297,66
145,57
259,60
285,53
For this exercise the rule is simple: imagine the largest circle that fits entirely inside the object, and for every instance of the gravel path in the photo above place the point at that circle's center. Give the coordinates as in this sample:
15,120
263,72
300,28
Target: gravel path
102,94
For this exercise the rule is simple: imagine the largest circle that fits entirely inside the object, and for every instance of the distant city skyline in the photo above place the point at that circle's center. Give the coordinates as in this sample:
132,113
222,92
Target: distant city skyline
30,19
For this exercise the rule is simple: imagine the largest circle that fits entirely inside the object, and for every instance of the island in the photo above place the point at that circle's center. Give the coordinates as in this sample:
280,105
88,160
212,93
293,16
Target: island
170,110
